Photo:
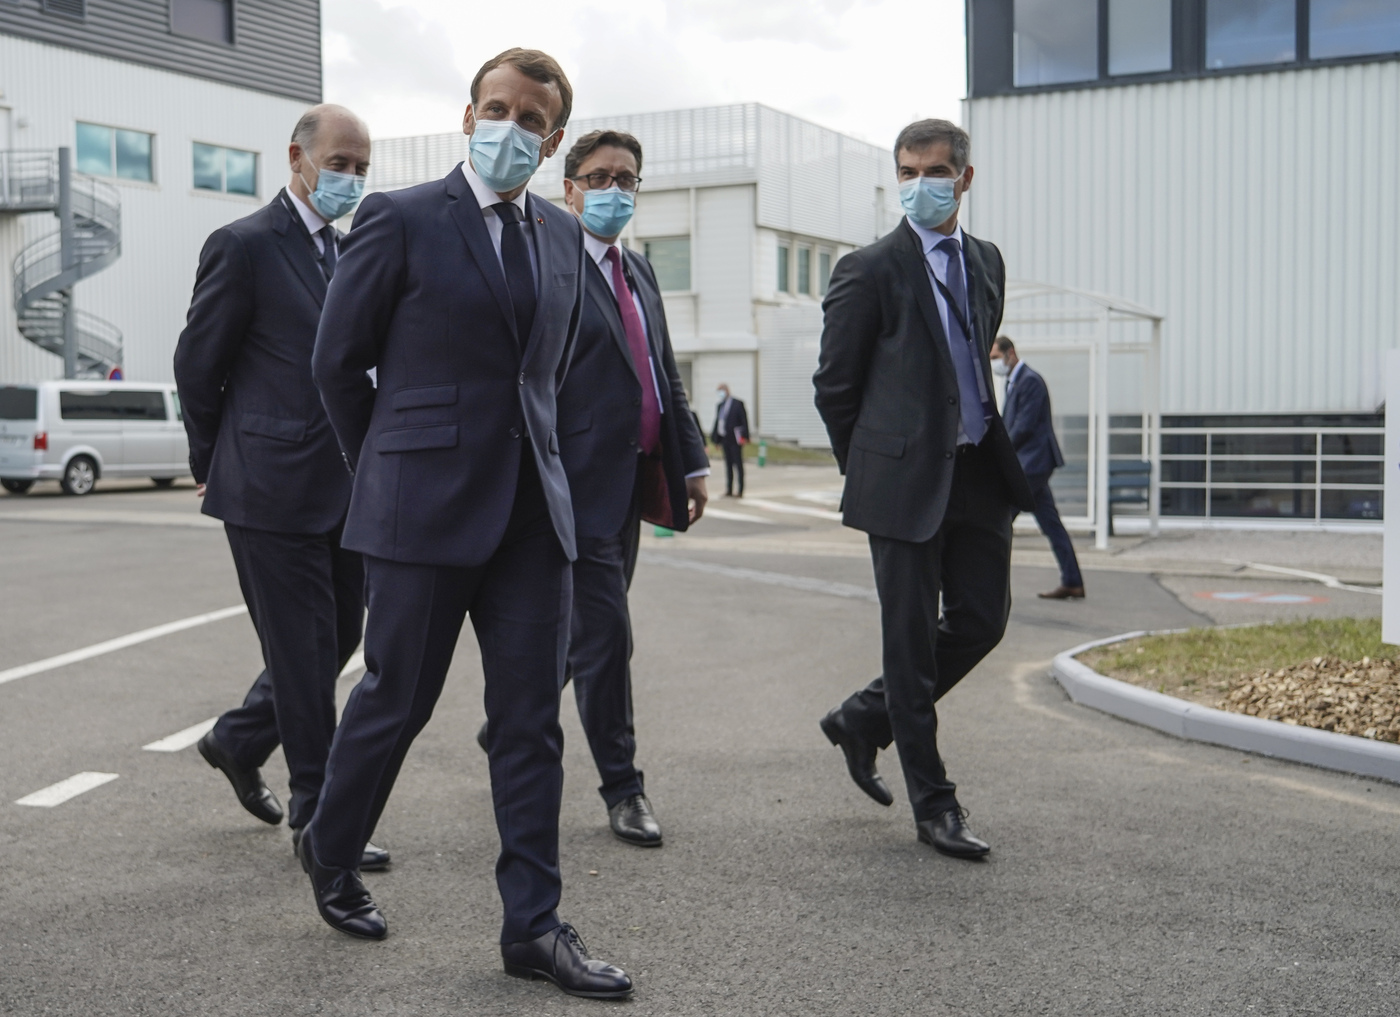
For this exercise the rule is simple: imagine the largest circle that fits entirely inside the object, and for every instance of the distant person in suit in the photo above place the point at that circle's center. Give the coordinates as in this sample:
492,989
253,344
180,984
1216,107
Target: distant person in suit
267,462
1027,417
731,433
465,294
904,387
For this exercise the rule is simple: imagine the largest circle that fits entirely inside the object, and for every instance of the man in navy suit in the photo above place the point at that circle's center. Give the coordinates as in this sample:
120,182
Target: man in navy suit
1027,417
465,295
731,433
267,462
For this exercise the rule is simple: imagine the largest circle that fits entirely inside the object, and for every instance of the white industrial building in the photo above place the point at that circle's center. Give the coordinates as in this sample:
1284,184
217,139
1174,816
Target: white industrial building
743,211
177,115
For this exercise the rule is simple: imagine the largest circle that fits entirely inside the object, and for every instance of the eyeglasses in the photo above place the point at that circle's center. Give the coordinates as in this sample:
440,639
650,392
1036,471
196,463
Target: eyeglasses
600,181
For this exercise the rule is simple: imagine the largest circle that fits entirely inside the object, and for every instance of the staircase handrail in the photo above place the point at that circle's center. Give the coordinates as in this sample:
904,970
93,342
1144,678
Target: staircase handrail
28,180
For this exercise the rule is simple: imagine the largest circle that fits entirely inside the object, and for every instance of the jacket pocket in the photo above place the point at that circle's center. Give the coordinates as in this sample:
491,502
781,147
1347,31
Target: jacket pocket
428,395
577,425
273,427
416,439
879,442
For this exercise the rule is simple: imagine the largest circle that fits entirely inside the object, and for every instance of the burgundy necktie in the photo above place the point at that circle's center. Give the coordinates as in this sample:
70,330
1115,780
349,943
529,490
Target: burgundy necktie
641,355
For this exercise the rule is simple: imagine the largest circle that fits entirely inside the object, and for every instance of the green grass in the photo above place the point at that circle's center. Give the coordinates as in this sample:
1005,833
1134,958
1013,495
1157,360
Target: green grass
1202,659
785,454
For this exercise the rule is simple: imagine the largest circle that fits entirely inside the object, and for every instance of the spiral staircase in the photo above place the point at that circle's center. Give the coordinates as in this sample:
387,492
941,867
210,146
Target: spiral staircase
46,269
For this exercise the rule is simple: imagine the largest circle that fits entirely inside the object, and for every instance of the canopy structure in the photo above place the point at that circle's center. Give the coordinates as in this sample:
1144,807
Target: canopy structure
1059,319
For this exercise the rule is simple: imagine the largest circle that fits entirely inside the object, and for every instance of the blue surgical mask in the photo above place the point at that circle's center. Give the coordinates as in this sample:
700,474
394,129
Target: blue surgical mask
504,154
336,194
606,213
928,201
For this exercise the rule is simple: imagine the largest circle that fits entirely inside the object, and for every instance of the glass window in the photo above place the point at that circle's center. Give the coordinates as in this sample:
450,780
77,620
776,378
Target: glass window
19,403
208,167
95,150
804,271
784,282
1055,41
1139,36
823,272
133,155
107,152
670,260
123,405
1339,28
1243,33
230,170
1353,504
203,19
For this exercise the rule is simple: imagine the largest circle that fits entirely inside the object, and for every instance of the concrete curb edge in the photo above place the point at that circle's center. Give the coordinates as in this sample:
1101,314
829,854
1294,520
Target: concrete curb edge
1324,749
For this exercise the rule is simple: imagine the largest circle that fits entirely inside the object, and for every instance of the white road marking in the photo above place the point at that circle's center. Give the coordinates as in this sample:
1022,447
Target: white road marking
182,739
737,517
1331,582
57,794
849,590
120,643
793,510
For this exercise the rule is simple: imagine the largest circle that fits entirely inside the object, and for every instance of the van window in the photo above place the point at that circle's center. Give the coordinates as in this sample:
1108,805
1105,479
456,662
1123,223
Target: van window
19,403
126,404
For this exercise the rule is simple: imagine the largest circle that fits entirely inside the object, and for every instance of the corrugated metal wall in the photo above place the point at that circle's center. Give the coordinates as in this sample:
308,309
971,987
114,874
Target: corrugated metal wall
1260,213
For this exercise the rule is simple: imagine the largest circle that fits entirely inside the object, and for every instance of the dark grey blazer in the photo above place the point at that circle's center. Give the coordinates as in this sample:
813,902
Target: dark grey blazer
887,391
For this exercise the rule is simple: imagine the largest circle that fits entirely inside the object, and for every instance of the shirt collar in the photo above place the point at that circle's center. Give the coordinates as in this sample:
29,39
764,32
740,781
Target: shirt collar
597,249
932,238
315,221
1011,378
485,197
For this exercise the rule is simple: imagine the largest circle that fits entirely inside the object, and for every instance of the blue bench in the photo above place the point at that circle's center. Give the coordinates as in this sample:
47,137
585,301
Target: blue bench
1129,483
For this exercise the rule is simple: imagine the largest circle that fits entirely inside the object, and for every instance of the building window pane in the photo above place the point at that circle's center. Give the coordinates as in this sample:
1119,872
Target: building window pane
804,271
1339,28
203,19
670,260
784,283
1244,33
95,150
241,169
823,272
133,155
1139,36
208,167
1056,41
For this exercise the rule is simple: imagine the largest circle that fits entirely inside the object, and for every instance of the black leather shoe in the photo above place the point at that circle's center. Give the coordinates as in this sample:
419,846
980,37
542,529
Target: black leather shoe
948,833
372,859
341,897
481,737
860,757
633,821
247,782
559,956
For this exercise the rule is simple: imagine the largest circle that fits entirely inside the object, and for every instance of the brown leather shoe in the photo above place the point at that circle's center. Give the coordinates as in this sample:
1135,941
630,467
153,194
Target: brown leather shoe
1063,593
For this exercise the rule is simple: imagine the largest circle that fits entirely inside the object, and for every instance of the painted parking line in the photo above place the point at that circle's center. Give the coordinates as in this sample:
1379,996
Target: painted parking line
737,517
793,510
120,643
1247,597
182,739
57,794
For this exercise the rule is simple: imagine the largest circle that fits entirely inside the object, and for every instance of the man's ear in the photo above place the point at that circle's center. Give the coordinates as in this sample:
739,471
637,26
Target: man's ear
551,144
468,120
294,154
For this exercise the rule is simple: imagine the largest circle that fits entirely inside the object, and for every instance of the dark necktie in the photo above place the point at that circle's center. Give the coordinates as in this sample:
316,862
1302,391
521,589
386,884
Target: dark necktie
520,275
650,439
328,253
973,394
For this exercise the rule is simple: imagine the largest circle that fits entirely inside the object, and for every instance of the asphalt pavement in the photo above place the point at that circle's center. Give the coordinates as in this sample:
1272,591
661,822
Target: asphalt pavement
1131,872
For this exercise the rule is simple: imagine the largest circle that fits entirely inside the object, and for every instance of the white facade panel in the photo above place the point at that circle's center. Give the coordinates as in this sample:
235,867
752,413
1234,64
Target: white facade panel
146,292
1258,212
789,339
661,214
722,265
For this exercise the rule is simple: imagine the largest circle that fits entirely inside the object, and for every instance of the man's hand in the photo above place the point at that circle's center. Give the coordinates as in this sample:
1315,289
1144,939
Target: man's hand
199,490
695,491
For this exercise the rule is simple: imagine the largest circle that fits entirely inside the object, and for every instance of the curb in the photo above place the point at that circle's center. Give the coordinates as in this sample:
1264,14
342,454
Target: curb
1324,749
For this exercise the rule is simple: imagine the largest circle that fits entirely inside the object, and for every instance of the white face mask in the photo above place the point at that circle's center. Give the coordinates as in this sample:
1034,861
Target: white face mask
1001,368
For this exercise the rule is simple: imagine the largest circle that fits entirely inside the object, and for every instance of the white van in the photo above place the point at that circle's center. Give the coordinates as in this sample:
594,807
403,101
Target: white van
76,432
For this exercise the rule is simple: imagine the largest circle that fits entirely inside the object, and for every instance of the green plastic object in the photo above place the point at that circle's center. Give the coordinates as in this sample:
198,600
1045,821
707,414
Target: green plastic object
762,452
661,531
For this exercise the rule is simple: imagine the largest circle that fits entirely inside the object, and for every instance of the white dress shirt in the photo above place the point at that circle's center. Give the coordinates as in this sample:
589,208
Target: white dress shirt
485,197
315,223
1011,378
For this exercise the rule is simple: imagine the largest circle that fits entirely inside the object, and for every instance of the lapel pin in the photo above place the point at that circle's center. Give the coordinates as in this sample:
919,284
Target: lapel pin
540,220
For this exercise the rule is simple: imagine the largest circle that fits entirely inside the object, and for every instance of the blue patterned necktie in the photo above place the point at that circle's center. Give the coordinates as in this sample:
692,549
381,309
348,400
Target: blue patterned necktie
520,274
972,389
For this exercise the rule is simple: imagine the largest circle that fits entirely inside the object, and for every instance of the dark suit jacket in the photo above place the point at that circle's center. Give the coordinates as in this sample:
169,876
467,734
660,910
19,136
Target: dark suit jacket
887,391
419,294
1027,416
259,436
600,408
736,425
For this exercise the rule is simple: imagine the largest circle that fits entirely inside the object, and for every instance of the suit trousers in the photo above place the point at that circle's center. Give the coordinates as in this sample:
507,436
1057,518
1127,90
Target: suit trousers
600,653
967,564
519,603
733,465
305,595
1047,515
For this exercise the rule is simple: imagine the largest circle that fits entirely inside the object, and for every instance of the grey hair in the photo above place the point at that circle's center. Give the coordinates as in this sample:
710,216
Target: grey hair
304,133
925,133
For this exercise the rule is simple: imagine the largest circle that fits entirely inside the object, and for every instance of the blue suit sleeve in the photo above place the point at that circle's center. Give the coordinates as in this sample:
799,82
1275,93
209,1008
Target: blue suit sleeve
1032,411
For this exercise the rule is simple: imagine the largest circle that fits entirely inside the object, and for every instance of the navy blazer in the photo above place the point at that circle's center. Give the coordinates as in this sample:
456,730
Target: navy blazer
736,426
259,436
1027,416
436,449
600,408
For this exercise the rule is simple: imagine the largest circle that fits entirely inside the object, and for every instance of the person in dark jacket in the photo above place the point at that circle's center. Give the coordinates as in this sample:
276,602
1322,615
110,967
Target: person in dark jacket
731,433
267,462
1027,417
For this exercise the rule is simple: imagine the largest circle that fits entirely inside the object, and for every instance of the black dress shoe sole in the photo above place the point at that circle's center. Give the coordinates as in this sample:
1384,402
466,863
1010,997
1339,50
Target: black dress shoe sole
968,855
638,843
536,975
218,766
347,932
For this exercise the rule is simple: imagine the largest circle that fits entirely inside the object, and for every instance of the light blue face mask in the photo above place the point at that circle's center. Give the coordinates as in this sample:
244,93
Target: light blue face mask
504,154
606,213
336,194
929,201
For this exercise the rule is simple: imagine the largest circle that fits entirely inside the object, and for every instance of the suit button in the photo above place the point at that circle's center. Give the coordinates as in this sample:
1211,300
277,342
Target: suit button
515,432
522,377
947,455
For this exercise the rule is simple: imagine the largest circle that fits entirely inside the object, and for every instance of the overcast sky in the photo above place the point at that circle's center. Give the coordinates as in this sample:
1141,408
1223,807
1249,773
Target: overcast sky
865,67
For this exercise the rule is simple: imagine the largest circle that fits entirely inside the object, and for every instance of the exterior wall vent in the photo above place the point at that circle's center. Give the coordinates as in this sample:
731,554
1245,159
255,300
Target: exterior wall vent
69,8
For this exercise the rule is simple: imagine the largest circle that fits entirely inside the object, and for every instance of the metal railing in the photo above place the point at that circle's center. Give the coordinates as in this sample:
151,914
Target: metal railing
28,181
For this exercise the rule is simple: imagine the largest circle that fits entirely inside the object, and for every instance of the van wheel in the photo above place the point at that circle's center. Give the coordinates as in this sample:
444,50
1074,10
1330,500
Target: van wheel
16,486
163,481
79,475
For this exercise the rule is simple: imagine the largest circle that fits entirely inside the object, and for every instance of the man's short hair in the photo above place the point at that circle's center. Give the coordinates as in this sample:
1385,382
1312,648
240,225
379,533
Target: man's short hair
533,64
1004,343
923,134
594,140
